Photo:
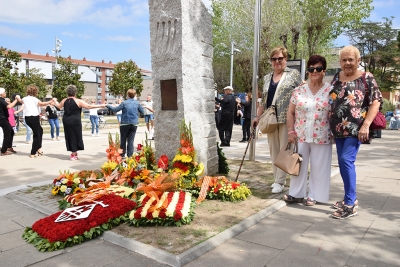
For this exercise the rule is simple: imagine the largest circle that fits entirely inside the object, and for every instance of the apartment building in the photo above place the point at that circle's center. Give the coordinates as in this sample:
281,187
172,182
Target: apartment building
95,75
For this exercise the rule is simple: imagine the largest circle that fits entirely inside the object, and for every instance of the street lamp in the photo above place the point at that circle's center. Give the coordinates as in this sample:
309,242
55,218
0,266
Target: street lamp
57,48
233,50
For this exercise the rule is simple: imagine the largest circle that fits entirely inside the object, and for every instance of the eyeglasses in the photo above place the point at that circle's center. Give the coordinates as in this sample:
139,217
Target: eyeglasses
319,69
277,59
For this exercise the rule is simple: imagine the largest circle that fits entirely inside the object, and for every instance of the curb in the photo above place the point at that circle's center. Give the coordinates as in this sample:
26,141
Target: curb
195,252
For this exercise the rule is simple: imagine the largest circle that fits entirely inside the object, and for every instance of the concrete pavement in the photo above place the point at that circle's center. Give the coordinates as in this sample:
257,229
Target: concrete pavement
294,235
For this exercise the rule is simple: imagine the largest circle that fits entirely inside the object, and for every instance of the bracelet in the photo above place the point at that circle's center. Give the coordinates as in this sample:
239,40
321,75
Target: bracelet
292,132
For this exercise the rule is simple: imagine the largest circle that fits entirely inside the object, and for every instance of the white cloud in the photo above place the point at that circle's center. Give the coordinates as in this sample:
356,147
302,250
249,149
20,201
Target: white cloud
378,3
43,11
207,3
7,31
120,38
58,12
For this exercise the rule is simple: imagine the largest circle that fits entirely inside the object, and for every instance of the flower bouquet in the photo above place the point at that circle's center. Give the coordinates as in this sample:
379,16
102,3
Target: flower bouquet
68,183
184,162
178,210
220,188
48,235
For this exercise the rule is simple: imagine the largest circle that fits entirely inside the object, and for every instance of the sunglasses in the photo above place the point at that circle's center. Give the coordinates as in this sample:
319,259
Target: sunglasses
319,69
277,59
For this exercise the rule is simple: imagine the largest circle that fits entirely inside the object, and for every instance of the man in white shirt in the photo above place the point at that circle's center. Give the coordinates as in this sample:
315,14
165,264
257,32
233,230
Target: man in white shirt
149,116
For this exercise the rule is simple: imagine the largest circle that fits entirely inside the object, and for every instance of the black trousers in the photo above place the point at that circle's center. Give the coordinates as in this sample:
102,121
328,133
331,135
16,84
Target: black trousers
246,128
128,133
7,132
34,123
225,128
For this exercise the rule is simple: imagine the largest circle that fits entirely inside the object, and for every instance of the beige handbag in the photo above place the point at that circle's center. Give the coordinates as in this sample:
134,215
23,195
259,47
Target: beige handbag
289,160
268,121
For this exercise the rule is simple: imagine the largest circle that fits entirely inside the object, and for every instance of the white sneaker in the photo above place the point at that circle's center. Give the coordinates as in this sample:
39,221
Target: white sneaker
93,135
98,135
277,188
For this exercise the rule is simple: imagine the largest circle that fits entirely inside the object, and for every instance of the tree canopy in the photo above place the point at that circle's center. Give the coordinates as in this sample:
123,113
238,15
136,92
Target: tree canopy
9,76
126,75
304,27
66,73
379,50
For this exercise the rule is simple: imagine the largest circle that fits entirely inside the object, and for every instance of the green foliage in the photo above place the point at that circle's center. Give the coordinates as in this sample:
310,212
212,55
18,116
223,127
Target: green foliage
126,75
36,78
304,27
223,166
66,74
9,76
387,106
379,49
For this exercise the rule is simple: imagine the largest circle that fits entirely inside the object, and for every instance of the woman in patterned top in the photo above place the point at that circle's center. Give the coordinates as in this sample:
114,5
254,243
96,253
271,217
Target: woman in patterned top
308,124
354,102
279,84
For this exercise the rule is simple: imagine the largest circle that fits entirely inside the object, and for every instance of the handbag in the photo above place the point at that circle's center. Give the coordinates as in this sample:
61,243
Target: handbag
288,160
268,121
379,122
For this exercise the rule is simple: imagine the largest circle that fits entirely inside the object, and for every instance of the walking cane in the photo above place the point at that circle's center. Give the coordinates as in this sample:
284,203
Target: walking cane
252,136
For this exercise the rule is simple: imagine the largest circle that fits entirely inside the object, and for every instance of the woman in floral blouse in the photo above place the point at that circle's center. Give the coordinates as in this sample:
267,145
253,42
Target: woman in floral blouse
351,114
308,124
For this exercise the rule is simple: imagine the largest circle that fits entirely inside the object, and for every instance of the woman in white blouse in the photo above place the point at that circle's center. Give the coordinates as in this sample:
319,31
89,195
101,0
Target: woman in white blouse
308,124
32,117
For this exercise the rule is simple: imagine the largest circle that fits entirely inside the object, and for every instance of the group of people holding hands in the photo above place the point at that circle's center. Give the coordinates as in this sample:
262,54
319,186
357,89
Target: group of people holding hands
316,114
72,106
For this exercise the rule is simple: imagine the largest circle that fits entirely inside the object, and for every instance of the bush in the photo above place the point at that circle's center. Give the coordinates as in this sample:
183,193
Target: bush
387,106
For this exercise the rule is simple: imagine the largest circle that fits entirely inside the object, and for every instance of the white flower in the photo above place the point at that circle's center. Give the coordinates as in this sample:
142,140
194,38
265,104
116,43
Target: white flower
172,205
186,204
77,181
146,207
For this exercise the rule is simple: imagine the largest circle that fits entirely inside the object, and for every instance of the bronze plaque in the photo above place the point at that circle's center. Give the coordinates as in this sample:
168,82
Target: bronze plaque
169,95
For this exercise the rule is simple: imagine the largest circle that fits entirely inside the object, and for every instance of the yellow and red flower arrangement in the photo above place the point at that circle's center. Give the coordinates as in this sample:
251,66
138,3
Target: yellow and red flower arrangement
163,191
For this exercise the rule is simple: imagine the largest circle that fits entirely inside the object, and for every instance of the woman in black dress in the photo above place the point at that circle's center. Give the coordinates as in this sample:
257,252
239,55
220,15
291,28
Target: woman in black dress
72,120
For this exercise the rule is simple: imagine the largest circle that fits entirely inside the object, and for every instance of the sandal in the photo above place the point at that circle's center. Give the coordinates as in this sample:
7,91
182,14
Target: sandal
310,202
11,150
39,152
345,212
33,156
7,153
291,199
340,204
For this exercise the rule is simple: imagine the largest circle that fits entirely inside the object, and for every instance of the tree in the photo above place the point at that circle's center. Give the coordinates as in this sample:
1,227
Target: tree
9,76
126,75
35,77
65,74
379,50
304,27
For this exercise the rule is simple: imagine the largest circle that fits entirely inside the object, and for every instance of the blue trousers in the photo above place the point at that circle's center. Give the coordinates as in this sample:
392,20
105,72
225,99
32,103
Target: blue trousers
54,123
128,133
95,123
347,149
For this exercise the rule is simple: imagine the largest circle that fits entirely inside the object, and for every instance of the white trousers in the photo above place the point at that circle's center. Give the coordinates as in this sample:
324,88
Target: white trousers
276,140
320,159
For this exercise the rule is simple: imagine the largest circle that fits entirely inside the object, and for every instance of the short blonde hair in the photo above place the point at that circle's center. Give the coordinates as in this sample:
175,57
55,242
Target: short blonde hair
350,48
277,50
131,93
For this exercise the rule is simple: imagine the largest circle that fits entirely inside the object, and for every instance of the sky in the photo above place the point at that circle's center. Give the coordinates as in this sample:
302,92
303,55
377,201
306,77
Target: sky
109,30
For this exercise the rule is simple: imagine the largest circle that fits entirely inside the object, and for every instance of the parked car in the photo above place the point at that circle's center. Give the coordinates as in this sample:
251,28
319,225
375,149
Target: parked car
103,111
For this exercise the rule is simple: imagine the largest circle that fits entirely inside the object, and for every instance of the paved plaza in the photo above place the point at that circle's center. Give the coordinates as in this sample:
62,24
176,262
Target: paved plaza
293,235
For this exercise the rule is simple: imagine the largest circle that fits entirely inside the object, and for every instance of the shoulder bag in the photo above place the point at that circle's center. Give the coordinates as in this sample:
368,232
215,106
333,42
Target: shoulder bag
379,122
289,160
268,120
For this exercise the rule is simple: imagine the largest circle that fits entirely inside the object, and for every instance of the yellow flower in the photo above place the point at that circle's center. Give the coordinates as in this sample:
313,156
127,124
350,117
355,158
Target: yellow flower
77,181
183,158
63,188
55,190
78,190
200,171
64,181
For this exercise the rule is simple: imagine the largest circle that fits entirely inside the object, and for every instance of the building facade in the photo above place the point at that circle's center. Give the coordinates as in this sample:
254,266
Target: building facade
95,75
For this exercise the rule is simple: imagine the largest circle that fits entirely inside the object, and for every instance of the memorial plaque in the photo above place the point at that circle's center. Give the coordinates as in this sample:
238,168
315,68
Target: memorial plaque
169,95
